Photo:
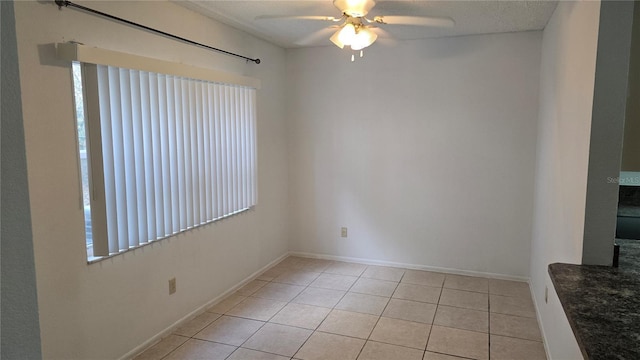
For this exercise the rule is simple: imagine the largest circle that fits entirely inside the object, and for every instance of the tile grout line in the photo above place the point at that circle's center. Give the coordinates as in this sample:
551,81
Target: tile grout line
325,318
189,337
255,332
455,356
434,316
287,303
489,322
382,312
238,347
176,348
314,330
192,336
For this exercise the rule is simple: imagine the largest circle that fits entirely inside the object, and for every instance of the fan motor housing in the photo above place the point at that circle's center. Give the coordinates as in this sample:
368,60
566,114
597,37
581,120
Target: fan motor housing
354,8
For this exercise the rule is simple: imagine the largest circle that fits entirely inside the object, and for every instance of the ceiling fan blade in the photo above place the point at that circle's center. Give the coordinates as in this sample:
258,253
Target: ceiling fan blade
297,17
380,31
315,37
384,38
416,20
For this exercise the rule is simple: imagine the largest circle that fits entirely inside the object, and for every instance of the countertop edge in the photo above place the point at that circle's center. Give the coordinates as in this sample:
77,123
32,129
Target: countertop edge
602,305
565,308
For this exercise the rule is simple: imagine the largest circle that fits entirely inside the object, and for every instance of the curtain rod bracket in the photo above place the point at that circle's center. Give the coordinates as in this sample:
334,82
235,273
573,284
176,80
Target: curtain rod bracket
67,3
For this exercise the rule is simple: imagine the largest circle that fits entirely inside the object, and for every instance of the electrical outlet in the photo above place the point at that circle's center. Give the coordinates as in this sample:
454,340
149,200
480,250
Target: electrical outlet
172,286
343,232
546,295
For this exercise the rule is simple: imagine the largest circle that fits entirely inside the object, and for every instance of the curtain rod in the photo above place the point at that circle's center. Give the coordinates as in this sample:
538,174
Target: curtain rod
66,3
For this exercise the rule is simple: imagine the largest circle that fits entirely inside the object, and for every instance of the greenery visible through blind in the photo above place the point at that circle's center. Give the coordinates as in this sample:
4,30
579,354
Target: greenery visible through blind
176,153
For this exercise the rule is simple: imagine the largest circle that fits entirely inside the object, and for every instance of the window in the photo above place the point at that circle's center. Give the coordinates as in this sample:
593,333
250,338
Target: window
82,151
166,153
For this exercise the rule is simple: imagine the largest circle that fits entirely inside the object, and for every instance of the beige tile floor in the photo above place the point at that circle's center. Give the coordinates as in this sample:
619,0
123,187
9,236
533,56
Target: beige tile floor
310,309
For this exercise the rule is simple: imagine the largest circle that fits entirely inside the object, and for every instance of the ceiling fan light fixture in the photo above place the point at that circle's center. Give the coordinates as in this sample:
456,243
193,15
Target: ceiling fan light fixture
364,38
355,29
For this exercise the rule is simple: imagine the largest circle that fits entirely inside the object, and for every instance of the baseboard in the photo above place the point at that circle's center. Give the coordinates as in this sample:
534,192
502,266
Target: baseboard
408,266
166,332
539,318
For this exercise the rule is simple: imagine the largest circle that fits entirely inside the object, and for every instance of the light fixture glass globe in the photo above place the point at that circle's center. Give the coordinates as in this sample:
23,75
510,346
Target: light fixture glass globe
347,34
364,38
336,40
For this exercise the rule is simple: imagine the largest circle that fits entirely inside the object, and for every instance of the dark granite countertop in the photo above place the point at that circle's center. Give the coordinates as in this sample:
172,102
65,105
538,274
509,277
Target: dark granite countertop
603,308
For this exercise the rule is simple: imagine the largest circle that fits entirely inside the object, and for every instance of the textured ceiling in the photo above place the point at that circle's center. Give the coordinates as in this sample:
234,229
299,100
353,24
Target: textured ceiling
471,17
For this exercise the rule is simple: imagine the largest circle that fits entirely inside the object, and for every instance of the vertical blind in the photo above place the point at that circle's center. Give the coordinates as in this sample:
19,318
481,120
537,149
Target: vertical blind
176,153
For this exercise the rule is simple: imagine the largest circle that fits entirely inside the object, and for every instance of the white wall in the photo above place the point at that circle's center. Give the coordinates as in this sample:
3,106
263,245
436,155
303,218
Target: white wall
425,151
107,309
566,94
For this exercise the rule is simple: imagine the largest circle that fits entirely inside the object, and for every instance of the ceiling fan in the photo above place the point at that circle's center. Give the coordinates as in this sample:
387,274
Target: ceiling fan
358,31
